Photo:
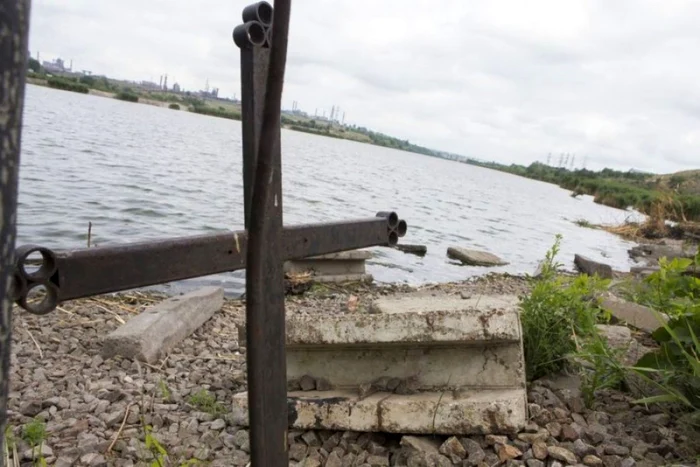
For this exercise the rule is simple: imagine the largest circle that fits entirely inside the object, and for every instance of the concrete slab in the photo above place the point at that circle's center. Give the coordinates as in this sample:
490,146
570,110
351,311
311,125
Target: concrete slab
346,255
340,278
638,316
154,332
444,303
444,322
443,412
429,368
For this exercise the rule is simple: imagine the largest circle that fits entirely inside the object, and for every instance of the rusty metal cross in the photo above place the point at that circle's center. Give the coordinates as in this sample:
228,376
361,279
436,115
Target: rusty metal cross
261,248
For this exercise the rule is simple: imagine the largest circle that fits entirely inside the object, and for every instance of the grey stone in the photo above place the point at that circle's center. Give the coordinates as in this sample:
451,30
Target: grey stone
616,450
534,463
591,267
378,461
153,333
421,444
297,451
311,438
39,451
582,449
218,424
562,454
307,383
453,449
93,459
474,257
334,460
592,461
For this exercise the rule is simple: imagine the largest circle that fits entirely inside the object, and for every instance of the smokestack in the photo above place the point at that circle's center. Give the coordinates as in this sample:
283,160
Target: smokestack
160,85
71,65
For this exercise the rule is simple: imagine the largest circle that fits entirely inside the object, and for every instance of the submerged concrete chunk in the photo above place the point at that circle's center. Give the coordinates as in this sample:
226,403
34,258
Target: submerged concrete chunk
154,332
474,257
592,268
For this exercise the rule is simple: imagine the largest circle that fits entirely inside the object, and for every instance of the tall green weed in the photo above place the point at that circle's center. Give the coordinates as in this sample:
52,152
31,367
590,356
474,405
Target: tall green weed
557,312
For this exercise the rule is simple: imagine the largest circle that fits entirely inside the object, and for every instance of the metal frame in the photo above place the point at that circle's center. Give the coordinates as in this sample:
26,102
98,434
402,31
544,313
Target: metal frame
262,248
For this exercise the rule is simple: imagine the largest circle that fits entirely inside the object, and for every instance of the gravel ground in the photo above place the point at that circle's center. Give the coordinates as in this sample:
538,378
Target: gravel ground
95,412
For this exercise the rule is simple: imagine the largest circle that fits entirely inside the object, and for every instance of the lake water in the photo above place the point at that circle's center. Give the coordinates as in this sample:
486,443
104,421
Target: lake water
143,172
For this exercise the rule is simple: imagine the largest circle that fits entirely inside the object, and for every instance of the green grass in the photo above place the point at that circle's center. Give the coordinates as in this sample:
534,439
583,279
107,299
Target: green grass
206,402
127,96
558,310
221,112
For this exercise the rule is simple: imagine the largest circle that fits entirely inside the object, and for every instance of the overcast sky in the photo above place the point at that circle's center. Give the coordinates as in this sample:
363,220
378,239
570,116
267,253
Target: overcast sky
614,82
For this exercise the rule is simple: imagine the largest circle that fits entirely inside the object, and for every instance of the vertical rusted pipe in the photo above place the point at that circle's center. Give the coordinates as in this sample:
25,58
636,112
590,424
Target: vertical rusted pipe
265,317
14,32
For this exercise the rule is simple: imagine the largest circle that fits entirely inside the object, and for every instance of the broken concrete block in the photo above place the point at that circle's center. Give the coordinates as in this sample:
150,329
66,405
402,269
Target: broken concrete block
473,412
474,257
418,250
154,332
413,365
592,268
638,316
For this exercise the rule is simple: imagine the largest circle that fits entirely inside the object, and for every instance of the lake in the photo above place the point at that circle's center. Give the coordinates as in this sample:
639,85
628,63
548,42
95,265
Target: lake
143,172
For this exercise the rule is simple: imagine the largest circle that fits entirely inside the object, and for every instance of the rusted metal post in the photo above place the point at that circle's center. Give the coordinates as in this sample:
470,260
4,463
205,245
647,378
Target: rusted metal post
14,32
262,79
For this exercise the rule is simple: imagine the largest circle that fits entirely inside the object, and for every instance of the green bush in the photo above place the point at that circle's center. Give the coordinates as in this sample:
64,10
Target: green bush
67,85
672,372
216,112
174,107
558,311
127,96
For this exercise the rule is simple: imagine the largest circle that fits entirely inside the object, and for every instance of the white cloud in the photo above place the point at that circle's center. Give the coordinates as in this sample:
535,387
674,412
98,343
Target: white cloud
612,82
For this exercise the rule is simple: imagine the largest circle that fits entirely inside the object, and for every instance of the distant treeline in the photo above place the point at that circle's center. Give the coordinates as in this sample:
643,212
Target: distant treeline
618,189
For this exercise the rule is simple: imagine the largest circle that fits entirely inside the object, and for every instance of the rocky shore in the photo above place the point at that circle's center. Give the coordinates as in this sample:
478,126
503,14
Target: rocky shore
83,410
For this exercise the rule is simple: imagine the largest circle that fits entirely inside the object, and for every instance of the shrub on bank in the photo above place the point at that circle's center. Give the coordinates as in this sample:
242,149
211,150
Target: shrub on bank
559,320
174,107
557,312
67,85
127,96
674,368
216,112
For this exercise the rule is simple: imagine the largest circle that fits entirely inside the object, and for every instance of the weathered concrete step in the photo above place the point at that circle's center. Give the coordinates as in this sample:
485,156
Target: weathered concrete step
428,368
427,321
469,412
340,278
342,263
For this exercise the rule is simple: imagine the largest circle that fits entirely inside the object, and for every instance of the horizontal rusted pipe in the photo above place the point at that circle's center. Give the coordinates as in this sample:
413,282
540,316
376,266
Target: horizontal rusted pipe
92,271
